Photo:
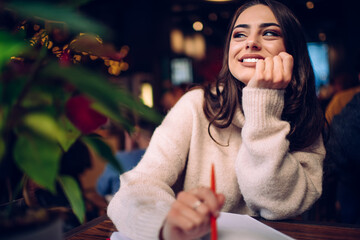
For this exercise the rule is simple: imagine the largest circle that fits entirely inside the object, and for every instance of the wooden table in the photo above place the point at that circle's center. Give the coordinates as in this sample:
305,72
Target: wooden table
101,229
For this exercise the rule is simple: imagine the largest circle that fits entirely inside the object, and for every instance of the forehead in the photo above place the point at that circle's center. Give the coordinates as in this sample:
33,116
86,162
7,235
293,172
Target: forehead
256,14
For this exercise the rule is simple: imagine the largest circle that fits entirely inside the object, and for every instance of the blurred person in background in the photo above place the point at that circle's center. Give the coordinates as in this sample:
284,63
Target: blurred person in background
341,98
134,146
344,155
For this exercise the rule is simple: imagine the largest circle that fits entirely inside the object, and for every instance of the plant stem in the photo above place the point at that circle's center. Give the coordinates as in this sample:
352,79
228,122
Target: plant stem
11,121
12,195
14,112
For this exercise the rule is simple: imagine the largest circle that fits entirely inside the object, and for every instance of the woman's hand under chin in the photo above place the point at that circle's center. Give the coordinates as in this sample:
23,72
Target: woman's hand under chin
273,72
189,216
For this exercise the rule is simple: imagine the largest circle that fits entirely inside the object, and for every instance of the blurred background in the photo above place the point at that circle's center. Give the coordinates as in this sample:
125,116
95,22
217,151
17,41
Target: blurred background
176,43
181,41
161,48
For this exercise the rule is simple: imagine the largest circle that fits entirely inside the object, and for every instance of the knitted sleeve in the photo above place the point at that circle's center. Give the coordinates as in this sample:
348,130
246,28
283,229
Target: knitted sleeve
140,206
275,183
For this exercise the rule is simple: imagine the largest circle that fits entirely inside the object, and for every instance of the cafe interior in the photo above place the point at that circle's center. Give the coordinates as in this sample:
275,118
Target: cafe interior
168,46
179,43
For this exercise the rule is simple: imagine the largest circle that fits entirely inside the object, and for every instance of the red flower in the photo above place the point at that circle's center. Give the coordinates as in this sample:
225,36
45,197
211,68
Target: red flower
80,113
65,58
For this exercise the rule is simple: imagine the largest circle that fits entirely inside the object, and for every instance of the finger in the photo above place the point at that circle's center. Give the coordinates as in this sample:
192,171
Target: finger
193,203
184,212
288,64
259,69
221,199
177,219
258,75
208,198
278,74
269,67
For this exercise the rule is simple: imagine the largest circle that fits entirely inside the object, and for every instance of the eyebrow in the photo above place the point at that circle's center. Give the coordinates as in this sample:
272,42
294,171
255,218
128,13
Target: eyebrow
263,25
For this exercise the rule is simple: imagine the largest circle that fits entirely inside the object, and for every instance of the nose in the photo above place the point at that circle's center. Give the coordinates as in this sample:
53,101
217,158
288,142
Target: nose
252,43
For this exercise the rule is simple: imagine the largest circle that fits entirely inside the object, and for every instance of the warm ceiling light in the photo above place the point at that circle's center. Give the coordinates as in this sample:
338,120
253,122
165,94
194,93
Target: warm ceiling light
146,94
198,26
310,5
177,41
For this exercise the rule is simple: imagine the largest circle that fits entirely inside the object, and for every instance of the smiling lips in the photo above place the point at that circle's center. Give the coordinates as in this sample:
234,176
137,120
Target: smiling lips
250,60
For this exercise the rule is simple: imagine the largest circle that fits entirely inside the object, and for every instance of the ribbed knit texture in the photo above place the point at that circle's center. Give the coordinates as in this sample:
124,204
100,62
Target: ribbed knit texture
253,166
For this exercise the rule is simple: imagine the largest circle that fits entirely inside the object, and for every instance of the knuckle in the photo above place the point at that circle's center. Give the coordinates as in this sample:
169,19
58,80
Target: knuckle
260,77
204,210
175,206
197,221
268,77
190,226
260,61
289,58
278,78
267,59
181,195
277,58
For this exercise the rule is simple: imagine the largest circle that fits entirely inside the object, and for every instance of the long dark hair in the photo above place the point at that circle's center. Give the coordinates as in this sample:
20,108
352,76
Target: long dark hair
301,108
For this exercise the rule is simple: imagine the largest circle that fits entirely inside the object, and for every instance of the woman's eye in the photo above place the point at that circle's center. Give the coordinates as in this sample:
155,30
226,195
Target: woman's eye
239,35
271,34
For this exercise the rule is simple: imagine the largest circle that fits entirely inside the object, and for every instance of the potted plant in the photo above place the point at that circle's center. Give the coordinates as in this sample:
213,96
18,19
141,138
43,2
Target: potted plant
51,98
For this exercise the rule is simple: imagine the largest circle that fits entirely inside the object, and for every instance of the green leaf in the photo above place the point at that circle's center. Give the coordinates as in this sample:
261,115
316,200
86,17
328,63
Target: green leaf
74,20
36,98
13,89
71,133
105,110
73,193
110,97
10,45
44,125
103,150
38,158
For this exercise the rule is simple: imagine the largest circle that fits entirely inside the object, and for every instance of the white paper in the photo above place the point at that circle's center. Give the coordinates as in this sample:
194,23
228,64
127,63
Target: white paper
235,227
243,227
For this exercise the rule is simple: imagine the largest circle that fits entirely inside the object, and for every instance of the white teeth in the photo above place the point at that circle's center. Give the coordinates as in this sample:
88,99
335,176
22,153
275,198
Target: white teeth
250,59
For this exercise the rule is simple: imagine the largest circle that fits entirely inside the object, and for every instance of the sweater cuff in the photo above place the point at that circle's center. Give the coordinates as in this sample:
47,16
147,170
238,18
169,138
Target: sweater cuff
149,224
262,106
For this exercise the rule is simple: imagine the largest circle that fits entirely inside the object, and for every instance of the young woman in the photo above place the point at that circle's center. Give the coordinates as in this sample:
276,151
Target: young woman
260,126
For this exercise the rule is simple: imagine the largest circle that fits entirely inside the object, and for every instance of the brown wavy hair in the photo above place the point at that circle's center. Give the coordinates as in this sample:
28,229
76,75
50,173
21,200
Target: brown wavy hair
301,108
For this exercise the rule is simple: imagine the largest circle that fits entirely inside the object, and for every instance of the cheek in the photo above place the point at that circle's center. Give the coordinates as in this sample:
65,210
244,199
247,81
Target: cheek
278,48
234,49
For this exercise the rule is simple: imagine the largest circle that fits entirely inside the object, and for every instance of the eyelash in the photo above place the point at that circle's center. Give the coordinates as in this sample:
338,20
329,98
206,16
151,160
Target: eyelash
271,32
239,35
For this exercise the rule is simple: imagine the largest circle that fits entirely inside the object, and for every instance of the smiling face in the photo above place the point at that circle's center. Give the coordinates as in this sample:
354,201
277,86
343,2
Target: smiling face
256,35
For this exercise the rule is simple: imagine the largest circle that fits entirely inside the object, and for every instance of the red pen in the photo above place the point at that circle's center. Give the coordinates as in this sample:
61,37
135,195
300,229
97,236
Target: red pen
212,218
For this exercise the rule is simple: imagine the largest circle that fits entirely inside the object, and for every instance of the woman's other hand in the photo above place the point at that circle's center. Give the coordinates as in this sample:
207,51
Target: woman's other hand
273,72
189,216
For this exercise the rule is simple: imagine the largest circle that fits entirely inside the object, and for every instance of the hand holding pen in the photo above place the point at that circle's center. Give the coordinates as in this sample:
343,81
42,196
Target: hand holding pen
190,215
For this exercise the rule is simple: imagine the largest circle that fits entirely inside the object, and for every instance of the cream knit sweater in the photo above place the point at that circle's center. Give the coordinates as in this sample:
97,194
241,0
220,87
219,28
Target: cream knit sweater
254,168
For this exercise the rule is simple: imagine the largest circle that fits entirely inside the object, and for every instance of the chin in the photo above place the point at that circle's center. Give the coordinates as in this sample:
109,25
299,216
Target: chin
243,78
244,75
